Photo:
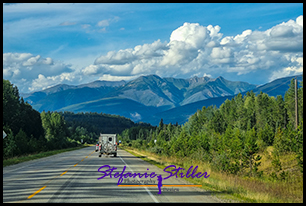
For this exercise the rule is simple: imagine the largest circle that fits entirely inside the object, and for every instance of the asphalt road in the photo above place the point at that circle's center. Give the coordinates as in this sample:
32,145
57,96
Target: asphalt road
72,177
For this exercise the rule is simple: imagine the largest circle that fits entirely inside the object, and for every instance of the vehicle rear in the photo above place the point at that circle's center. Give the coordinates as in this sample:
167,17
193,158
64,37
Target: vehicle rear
107,144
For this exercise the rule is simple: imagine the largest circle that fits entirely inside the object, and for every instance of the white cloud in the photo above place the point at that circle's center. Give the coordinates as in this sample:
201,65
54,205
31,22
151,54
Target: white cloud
295,69
129,55
36,64
221,53
299,21
107,22
284,37
42,82
196,49
207,75
113,57
192,49
85,26
135,116
31,72
108,77
92,70
103,23
192,34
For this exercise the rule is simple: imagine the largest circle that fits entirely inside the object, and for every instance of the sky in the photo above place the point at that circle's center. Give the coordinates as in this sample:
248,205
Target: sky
48,44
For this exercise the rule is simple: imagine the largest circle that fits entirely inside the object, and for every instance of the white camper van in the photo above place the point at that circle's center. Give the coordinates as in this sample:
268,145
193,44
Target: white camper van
108,144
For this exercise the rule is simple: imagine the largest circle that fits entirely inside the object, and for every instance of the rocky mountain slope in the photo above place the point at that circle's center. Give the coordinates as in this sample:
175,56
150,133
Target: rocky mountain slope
146,97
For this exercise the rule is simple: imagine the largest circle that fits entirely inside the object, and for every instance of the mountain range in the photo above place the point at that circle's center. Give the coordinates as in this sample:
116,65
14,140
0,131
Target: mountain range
148,98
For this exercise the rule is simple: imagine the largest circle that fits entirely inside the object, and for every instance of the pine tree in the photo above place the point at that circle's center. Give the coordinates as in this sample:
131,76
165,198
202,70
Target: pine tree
289,102
249,152
241,122
236,148
279,112
161,124
249,105
266,134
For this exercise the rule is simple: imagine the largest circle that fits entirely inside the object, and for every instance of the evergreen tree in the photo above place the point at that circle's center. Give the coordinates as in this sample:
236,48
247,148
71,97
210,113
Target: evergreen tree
217,122
266,134
21,121
11,106
249,105
241,122
250,160
279,112
290,102
161,123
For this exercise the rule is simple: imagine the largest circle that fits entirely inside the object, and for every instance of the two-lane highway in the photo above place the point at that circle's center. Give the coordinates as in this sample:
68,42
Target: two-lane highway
72,177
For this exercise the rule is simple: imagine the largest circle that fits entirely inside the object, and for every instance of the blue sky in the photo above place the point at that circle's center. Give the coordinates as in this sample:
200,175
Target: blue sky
49,44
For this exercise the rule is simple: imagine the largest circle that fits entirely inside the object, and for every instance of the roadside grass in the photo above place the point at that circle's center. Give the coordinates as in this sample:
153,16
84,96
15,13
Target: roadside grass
16,160
235,188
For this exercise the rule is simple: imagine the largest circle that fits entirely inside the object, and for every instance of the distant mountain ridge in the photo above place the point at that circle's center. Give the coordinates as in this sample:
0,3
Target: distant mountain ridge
143,98
181,114
62,87
150,90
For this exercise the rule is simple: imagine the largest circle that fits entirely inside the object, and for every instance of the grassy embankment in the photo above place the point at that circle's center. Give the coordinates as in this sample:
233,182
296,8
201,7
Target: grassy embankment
236,188
29,157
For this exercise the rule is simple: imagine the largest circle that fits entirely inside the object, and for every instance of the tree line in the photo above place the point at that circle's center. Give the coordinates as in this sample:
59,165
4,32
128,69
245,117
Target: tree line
29,131
231,136
99,122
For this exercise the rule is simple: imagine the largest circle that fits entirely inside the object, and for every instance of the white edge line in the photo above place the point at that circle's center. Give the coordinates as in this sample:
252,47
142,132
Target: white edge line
152,196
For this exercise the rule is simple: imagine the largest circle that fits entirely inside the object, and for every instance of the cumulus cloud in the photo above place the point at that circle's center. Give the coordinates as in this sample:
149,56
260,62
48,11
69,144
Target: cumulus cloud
135,116
113,57
129,55
129,62
295,68
108,77
196,49
32,72
192,49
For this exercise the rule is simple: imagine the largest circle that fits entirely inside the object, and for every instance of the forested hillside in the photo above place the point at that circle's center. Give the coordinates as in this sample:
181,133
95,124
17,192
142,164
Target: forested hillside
98,122
231,137
29,131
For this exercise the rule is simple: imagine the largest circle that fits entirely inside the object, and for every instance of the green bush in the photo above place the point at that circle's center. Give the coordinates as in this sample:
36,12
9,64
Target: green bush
157,150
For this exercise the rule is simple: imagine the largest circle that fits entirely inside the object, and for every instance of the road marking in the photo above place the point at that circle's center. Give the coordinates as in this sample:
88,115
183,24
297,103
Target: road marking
49,181
36,192
64,173
151,195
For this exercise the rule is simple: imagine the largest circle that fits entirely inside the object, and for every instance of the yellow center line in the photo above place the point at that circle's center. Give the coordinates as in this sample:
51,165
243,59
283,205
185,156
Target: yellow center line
64,173
52,179
36,192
